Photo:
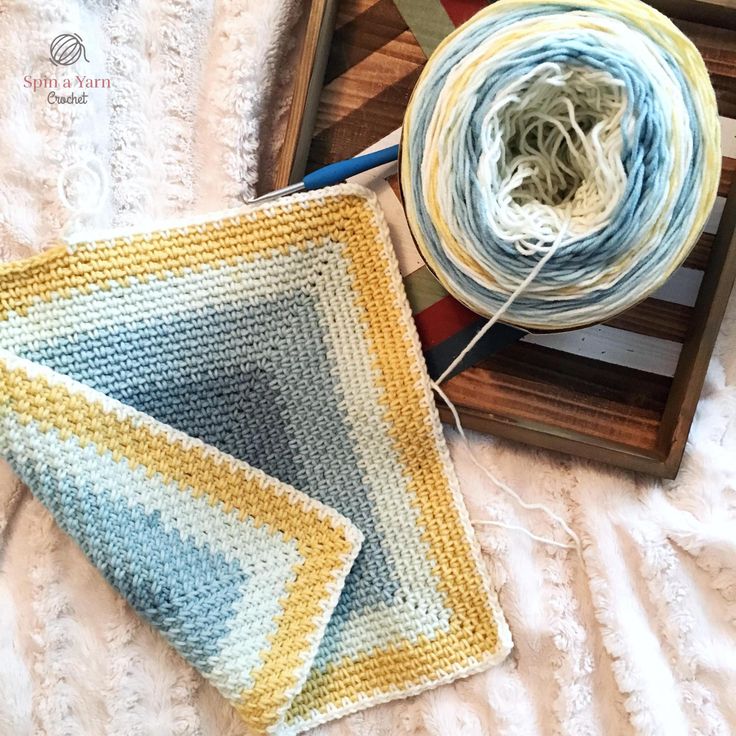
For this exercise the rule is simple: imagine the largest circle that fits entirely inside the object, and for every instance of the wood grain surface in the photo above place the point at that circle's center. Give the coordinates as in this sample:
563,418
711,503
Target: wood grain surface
309,33
577,403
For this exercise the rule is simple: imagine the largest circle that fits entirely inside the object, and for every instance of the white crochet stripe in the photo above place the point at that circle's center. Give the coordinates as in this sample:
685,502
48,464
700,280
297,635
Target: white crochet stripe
350,355
60,318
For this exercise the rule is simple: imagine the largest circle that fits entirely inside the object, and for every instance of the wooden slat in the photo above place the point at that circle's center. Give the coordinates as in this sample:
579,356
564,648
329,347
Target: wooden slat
717,46
349,10
366,100
539,386
600,380
711,12
718,281
728,166
349,112
699,255
656,318
305,92
362,36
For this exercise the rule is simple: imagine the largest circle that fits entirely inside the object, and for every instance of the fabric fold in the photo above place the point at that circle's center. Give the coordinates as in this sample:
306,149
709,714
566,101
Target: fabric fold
239,571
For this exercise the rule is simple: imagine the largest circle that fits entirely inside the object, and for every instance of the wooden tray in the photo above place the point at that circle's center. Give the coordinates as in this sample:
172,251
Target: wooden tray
313,42
554,393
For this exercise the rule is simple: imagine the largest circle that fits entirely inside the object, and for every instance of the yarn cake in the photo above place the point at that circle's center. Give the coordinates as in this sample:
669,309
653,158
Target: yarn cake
559,159
225,413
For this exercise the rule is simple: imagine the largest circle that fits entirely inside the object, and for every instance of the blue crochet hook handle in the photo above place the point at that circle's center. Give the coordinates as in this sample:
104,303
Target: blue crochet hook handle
335,173
342,170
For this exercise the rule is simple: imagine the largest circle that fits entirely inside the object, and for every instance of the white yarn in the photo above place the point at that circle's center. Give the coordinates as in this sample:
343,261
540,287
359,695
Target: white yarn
523,530
566,175
497,316
559,239
93,170
534,121
510,491
551,172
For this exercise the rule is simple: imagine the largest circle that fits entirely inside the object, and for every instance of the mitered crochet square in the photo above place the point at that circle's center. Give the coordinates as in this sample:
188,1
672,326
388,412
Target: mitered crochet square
279,335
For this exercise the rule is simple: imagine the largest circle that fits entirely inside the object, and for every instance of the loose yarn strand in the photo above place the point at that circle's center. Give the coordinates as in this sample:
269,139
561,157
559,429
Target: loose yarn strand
508,490
502,310
523,530
533,273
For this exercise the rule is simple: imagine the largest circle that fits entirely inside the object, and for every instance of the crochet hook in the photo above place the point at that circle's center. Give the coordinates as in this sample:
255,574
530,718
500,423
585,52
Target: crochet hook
334,173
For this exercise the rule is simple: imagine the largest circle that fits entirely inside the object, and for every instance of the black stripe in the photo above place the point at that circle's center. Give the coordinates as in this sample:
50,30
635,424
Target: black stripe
440,356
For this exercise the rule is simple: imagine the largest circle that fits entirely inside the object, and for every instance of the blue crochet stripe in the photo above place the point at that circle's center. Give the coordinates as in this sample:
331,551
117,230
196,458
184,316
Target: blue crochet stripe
187,591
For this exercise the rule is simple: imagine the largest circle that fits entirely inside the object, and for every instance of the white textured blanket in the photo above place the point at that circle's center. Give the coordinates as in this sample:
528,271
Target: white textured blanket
640,639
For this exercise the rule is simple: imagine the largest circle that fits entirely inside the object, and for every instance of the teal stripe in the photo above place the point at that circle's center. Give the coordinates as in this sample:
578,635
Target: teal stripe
186,591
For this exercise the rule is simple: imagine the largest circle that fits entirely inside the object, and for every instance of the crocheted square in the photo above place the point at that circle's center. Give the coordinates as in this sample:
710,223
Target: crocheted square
281,335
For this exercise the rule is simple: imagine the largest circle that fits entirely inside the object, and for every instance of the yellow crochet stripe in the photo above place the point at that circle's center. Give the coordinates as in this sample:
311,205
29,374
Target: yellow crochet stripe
63,270
253,494
472,631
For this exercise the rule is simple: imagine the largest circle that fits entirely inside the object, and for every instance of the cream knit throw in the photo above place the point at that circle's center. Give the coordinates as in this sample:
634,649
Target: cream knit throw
641,641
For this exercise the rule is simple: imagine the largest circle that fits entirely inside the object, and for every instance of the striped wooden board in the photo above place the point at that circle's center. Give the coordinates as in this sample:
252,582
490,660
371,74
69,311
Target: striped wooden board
613,391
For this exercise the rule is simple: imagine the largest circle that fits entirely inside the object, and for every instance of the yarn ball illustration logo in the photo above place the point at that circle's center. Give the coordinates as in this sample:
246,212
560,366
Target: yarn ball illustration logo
66,49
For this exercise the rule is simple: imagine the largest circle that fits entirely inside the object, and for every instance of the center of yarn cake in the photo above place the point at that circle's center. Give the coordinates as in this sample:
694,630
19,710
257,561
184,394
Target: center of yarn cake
551,155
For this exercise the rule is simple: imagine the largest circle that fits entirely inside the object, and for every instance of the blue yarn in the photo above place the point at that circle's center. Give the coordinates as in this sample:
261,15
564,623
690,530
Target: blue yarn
119,537
645,156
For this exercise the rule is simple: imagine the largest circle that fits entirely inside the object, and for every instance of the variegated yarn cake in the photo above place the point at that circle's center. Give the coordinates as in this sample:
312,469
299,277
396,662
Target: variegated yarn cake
221,413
